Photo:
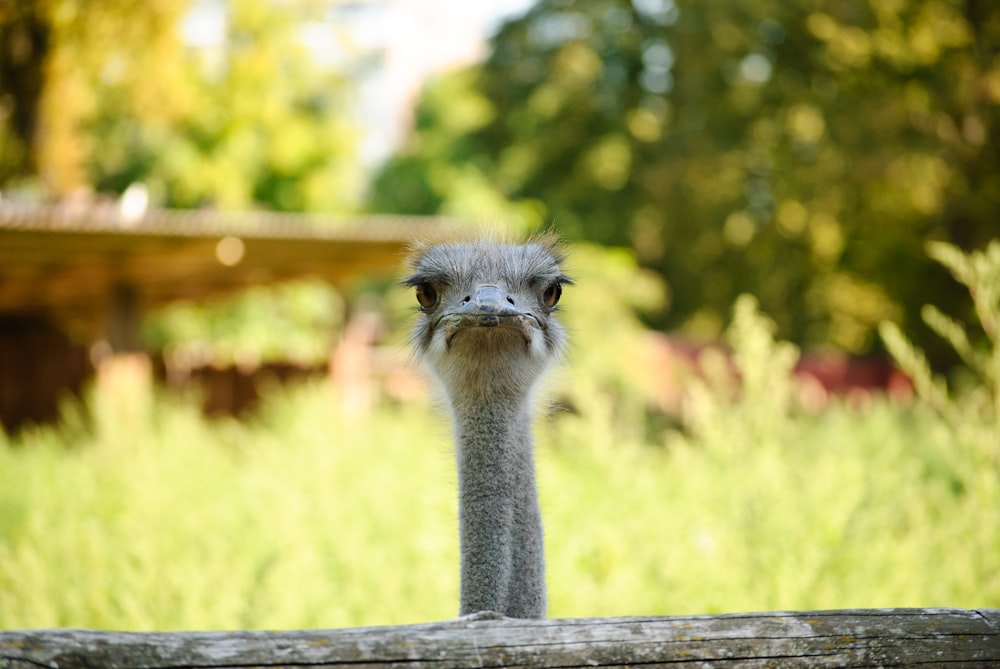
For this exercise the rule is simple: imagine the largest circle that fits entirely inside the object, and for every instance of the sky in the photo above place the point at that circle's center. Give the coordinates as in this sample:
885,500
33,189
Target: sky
416,39
423,37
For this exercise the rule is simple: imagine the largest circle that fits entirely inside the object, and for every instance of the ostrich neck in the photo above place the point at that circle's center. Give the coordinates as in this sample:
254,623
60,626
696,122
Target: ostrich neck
503,566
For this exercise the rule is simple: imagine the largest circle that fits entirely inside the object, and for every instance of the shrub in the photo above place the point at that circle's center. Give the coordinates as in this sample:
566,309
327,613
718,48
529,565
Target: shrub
970,413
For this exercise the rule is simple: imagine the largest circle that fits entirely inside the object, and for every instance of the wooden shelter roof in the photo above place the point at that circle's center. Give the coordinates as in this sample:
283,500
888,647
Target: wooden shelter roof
69,261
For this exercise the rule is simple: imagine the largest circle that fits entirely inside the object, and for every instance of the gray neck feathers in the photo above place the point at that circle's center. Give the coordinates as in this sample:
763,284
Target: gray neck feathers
500,525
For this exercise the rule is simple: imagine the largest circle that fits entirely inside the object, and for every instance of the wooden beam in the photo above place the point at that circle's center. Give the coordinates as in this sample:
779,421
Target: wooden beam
67,258
848,638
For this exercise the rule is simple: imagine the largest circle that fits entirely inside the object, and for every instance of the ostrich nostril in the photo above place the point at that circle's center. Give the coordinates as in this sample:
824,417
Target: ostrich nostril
511,300
466,299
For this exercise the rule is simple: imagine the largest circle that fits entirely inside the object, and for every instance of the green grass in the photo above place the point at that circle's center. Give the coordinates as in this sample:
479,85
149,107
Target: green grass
301,519
139,514
308,518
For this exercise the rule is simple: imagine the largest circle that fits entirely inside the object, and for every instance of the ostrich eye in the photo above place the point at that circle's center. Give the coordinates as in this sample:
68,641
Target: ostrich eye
552,294
426,295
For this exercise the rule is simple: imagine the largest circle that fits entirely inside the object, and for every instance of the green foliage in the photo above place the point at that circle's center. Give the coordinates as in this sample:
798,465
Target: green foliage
292,322
752,403
138,513
972,414
846,511
68,62
438,171
600,311
312,518
180,523
803,153
262,124
111,95
151,517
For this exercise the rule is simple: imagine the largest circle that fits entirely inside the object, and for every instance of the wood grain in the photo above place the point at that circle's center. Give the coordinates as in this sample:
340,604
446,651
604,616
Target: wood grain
847,638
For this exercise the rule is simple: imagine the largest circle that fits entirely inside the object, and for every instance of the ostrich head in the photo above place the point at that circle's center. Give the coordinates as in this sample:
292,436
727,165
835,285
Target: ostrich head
488,325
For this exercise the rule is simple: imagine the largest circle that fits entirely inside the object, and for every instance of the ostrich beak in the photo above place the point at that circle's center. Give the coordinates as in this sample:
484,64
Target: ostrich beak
488,305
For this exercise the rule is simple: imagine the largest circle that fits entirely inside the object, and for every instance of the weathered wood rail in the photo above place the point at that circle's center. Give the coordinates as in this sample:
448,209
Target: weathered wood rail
848,638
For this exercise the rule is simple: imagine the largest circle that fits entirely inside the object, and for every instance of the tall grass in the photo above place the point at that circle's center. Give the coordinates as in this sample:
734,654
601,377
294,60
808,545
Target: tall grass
302,518
147,516
308,518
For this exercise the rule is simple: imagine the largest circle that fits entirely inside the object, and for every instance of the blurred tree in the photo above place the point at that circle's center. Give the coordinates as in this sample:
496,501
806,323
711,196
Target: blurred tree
443,169
105,94
24,38
57,60
265,123
294,322
798,151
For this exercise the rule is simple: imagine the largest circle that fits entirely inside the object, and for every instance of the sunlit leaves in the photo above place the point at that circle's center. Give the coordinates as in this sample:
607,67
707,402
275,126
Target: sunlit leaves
972,411
254,120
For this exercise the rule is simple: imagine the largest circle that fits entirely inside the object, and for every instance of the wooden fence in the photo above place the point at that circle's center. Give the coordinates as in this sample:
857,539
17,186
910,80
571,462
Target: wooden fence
848,638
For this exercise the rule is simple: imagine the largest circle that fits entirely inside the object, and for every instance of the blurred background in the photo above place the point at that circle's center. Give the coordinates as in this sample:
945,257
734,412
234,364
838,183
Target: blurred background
783,219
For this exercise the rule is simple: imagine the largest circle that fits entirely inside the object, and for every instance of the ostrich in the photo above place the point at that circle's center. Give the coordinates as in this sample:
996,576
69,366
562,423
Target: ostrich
487,334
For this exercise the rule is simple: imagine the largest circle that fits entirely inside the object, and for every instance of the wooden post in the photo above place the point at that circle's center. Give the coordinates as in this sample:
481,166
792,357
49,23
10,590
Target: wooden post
848,638
124,373
123,319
